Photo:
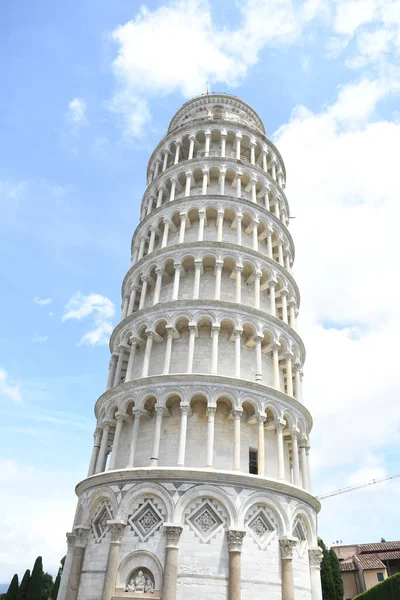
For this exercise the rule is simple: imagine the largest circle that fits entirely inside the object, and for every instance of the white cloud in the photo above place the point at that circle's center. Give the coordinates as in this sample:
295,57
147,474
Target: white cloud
101,309
375,24
76,115
26,512
9,390
42,301
342,186
177,48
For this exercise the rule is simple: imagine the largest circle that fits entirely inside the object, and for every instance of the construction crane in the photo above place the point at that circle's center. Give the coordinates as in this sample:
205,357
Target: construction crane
351,488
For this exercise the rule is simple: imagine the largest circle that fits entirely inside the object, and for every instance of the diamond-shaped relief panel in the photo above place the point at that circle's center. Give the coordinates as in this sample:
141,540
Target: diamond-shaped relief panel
205,521
146,520
299,531
261,526
99,525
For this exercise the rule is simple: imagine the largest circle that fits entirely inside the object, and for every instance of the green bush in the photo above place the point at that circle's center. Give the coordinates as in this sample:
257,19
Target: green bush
386,590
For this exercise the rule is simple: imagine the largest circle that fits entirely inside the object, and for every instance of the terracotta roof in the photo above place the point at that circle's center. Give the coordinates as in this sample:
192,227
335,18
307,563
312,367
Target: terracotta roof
347,566
389,555
379,547
370,561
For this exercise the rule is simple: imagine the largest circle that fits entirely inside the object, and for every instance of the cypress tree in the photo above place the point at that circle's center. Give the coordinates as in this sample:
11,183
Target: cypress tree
23,587
337,575
47,586
36,581
327,582
13,589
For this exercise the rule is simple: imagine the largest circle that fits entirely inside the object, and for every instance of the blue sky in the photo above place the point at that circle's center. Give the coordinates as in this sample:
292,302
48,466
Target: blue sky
88,89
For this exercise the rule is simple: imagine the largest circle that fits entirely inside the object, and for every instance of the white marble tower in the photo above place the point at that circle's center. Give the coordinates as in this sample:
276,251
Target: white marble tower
199,482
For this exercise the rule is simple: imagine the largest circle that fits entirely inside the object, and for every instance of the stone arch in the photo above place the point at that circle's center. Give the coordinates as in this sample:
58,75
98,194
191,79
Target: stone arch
270,501
103,494
305,514
152,490
205,491
137,559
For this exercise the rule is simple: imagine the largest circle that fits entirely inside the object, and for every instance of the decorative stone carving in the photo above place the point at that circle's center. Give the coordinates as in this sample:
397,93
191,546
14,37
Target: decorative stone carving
117,531
205,520
141,580
70,541
172,534
261,526
146,520
100,525
315,557
287,545
235,539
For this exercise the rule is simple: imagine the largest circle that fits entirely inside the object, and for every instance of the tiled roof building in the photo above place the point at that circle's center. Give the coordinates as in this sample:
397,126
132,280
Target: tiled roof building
365,565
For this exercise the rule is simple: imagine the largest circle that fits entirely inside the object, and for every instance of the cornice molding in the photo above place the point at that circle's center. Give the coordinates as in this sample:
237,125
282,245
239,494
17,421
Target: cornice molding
202,476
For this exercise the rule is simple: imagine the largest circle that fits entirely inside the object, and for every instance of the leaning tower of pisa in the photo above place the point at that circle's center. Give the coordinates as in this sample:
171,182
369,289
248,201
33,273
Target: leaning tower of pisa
199,483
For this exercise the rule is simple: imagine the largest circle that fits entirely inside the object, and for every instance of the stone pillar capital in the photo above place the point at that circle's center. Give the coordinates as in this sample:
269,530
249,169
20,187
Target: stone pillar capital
121,416
107,423
191,136
215,328
161,410
117,528
172,533
235,539
158,270
81,535
239,135
239,268
261,417
238,332
185,409
71,537
177,266
272,282
237,413
315,557
279,424
211,410
205,170
219,264
286,545
284,292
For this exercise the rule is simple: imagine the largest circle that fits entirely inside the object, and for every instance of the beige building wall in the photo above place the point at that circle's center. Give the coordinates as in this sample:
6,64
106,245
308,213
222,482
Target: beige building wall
371,577
351,584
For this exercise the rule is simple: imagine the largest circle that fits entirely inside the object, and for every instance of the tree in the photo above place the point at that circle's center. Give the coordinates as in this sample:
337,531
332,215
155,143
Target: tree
57,582
47,586
13,589
327,582
337,575
23,586
36,581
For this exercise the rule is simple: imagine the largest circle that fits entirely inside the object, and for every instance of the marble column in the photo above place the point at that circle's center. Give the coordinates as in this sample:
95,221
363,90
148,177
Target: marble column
117,376
95,452
257,279
170,577
303,463
205,182
235,541
117,528
197,273
191,146
261,444
111,372
182,227
236,439
210,436
279,425
315,558
175,290
220,223
131,362
62,591
218,275
117,435
308,467
239,229
168,350
214,349
103,447
289,375
202,216
137,413
192,337
272,307
182,435
286,546
164,240
147,353
258,339
157,289
160,412
275,365
238,335
295,459
81,537
239,269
